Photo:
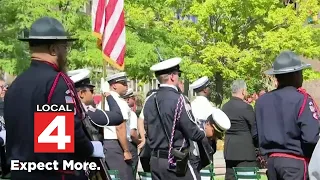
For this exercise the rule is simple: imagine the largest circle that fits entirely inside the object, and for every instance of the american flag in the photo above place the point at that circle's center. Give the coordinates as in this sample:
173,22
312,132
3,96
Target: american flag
109,27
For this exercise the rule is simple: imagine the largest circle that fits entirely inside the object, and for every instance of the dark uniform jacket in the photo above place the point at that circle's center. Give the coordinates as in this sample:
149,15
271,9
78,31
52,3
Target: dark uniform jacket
241,137
29,89
186,127
279,127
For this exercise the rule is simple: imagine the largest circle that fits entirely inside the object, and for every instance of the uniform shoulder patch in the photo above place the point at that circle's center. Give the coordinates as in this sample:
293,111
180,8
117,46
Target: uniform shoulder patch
315,113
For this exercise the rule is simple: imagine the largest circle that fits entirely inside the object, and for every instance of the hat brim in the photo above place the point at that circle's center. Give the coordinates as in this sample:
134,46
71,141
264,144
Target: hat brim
289,70
53,39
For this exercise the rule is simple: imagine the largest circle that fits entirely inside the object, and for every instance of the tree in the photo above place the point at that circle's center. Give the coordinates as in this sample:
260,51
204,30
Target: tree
17,15
233,39
224,39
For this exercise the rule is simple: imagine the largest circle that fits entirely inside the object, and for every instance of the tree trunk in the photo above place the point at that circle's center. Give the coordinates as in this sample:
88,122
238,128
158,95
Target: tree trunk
218,89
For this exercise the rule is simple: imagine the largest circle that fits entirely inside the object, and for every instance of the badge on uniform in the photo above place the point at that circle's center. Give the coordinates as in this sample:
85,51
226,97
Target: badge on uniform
69,99
314,111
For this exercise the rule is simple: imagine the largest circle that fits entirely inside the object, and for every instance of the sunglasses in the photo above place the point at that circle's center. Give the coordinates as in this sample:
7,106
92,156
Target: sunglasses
4,86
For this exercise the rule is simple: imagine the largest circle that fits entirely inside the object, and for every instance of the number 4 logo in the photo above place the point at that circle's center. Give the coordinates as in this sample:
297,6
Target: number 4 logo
54,132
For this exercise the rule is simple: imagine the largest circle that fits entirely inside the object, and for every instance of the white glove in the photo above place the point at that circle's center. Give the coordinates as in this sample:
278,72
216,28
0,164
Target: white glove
105,87
3,136
97,149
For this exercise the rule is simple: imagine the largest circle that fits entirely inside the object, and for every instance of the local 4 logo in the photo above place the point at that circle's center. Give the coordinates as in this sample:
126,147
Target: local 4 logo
54,129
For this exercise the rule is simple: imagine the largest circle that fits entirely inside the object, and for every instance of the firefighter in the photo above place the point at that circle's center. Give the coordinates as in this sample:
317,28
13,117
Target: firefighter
44,82
287,121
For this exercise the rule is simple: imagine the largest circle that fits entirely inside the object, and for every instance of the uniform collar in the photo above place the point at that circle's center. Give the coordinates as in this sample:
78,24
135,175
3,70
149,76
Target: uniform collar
236,98
37,63
168,85
202,98
113,93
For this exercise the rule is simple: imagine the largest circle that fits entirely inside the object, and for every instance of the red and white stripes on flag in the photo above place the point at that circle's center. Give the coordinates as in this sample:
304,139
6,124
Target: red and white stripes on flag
109,27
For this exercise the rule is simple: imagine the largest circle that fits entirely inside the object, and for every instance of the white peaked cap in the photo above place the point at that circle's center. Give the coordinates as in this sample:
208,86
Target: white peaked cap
166,64
220,119
199,83
129,93
122,76
78,74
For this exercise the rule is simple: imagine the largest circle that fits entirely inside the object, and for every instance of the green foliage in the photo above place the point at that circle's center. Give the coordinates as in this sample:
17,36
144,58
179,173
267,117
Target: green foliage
238,39
17,15
234,39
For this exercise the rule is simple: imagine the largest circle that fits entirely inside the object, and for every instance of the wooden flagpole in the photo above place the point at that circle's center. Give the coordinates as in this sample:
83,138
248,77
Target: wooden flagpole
104,70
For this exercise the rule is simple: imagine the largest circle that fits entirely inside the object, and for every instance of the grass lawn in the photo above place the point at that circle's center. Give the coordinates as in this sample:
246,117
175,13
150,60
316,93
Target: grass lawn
263,177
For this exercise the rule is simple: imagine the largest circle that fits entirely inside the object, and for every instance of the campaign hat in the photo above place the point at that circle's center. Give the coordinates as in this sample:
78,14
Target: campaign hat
287,62
46,28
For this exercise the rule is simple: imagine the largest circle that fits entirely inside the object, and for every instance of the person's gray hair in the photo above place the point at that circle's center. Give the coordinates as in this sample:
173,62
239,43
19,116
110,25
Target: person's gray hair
237,85
163,78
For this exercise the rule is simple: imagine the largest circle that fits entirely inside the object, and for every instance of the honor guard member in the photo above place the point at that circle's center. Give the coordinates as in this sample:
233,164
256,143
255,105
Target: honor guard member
169,125
116,142
85,91
133,127
44,82
202,109
287,121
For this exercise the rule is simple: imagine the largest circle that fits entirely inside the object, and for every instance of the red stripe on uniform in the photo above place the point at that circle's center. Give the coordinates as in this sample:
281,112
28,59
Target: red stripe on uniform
292,156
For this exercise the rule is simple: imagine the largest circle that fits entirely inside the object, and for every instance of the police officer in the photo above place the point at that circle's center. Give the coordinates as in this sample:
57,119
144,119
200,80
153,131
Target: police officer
133,138
85,91
287,121
116,141
44,82
202,109
165,113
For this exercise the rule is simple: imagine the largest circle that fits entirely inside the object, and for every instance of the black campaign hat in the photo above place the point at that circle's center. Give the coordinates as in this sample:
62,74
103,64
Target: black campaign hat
287,62
46,28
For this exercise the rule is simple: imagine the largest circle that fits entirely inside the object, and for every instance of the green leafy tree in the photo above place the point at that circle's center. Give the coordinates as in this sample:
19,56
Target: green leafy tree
238,39
17,14
225,39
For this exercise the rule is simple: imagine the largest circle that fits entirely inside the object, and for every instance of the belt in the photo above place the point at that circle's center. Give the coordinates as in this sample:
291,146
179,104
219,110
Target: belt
160,154
293,156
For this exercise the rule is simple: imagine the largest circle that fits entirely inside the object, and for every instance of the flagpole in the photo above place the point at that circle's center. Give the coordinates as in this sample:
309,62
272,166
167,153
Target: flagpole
104,70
